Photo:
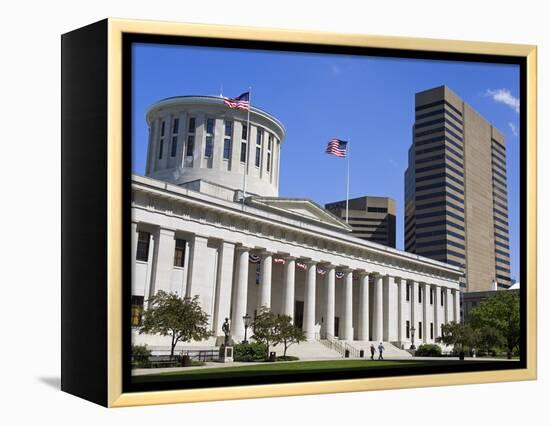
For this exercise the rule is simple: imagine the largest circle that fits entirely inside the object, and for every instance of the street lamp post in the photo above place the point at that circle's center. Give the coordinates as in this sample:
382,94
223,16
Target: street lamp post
246,320
412,339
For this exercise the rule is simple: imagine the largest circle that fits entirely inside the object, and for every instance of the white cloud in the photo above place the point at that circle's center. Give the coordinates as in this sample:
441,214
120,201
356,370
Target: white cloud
505,97
513,128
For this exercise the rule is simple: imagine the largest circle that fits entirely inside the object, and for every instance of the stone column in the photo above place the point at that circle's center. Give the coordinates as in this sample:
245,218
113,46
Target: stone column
456,296
328,312
390,320
401,294
437,321
240,294
348,305
222,307
288,292
135,235
448,306
264,295
425,303
309,300
164,260
363,313
378,317
414,302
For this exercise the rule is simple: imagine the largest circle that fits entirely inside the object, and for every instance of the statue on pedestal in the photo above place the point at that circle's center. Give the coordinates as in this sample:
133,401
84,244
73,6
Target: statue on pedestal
226,349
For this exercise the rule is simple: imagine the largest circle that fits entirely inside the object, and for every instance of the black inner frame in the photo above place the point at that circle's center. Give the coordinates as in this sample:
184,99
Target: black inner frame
130,38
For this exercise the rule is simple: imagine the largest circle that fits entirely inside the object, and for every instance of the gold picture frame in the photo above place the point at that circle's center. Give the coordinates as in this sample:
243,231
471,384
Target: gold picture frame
115,29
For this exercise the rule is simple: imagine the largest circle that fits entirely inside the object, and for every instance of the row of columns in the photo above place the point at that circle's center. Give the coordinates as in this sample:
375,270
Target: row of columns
328,311
231,283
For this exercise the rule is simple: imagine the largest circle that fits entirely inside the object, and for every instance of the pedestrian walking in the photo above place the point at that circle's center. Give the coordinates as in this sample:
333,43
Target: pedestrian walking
372,351
380,350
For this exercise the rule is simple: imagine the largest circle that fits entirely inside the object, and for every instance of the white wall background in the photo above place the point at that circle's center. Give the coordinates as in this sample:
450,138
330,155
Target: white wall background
30,200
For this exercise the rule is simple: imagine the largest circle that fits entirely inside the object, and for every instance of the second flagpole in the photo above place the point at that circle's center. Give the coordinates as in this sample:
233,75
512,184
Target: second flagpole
347,183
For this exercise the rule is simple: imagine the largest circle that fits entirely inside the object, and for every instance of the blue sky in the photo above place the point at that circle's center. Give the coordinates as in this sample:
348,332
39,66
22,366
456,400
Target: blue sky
367,100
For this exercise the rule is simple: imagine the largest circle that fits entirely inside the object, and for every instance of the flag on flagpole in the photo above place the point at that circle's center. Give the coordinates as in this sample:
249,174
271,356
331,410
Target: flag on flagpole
337,147
240,102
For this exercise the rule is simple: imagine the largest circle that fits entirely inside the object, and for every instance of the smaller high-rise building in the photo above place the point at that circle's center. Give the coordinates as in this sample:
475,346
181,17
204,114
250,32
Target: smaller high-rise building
371,218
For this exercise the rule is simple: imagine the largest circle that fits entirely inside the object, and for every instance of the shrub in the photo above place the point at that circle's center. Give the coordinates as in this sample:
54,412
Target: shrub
140,356
428,350
250,352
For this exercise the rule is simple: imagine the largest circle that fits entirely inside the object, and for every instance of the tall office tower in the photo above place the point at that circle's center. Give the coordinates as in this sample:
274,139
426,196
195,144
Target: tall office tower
371,218
456,206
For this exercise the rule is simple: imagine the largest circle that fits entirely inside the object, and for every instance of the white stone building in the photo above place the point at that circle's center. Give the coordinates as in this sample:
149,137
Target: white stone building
193,234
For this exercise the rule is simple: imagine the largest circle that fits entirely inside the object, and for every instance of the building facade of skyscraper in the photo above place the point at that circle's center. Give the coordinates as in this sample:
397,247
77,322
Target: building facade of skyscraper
456,200
371,218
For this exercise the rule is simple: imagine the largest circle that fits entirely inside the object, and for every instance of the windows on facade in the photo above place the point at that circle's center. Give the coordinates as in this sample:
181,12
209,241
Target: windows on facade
408,329
420,329
175,129
190,137
431,296
244,132
227,140
174,145
432,330
243,152
419,294
209,146
259,143
137,310
179,253
142,253
442,296
408,296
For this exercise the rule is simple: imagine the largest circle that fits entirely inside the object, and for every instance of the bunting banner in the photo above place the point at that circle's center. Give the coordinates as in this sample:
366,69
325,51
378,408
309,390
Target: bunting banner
301,265
252,258
339,274
321,271
279,260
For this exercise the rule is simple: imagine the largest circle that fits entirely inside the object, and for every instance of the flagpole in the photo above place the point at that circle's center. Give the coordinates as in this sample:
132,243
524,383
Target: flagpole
247,143
347,185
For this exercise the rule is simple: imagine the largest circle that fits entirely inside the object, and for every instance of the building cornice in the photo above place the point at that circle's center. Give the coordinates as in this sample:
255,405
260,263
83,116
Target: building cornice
307,231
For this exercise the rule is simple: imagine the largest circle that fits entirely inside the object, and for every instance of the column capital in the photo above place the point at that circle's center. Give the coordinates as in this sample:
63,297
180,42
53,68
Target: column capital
242,248
362,272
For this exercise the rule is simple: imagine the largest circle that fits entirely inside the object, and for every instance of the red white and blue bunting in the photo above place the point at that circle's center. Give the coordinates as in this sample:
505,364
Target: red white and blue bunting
321,271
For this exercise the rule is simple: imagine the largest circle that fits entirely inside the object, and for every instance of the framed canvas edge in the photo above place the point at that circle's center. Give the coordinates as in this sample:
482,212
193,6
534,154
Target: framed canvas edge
116,29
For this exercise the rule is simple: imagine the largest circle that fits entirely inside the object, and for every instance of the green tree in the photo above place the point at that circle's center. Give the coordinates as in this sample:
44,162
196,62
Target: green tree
490,339
288,333
459,336
180,318
265,327
500,313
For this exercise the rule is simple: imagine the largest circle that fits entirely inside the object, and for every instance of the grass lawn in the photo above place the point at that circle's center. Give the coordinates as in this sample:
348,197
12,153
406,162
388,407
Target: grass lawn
268,369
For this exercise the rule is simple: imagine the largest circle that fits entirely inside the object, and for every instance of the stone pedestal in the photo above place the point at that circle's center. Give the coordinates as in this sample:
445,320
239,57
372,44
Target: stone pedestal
226,353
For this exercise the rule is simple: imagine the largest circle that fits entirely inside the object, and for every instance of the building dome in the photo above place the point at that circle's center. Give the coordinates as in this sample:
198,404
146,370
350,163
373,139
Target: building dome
200,139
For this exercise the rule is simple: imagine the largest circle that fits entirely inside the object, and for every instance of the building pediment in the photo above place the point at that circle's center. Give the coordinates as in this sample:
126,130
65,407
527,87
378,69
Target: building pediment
299,208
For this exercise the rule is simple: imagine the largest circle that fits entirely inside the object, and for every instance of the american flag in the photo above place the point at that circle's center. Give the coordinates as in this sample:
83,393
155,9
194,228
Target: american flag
337,147
240,102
